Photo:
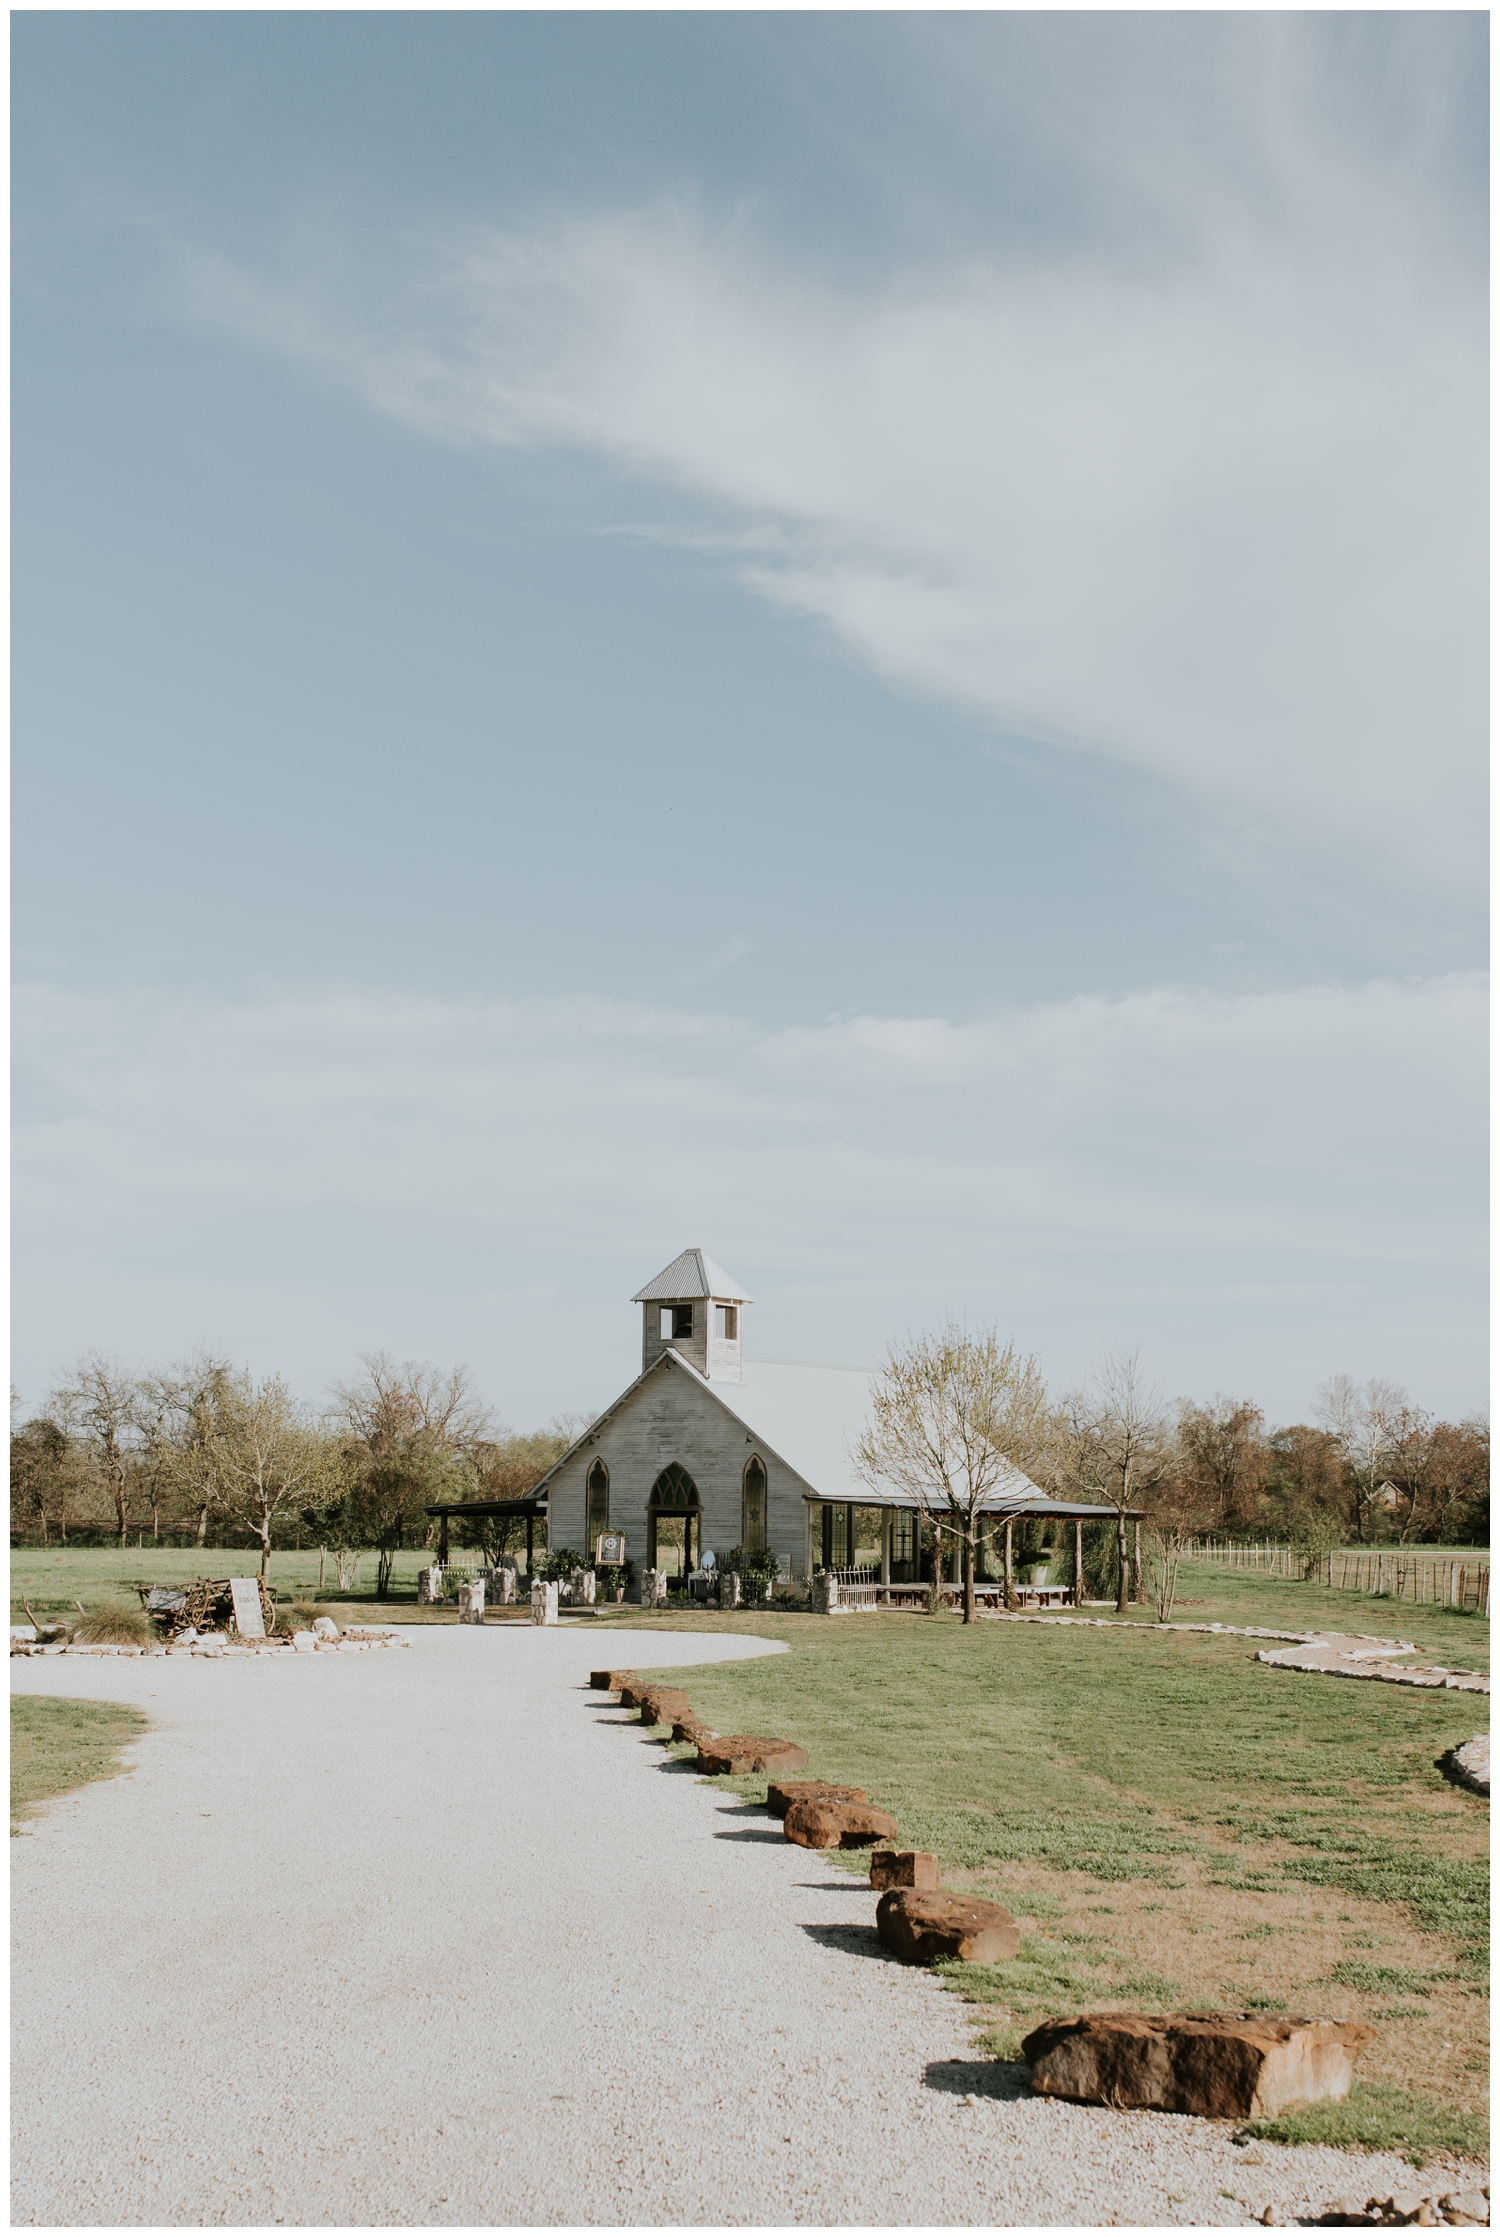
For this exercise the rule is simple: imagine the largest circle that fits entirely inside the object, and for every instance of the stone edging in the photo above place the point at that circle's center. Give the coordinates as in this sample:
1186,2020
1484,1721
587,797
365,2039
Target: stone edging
1331,1654
220,1651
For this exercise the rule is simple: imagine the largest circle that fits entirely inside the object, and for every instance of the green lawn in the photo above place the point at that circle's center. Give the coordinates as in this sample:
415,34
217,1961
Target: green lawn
1176,1825
53,1578
56,1746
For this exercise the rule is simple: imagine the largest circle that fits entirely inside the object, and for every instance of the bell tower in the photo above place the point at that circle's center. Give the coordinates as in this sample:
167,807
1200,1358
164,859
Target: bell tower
693,1307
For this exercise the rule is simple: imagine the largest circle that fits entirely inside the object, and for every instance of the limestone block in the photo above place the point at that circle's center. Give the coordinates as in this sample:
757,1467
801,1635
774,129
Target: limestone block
653,1588
324,1627
429,1587
664,1705
507,1584
471,1602
581,1588
904,1868
782,1793
730,1594
739,1754
821,1824
918,1926
543,1602
1224,2066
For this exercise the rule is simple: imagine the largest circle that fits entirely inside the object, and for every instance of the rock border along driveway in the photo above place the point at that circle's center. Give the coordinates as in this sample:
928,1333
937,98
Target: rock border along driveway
437,1942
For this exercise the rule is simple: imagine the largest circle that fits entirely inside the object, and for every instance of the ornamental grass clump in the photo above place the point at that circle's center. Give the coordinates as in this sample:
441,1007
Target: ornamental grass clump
116,1625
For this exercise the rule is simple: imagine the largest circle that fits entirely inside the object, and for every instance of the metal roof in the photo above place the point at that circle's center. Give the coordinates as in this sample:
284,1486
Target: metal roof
809,1417
691,1274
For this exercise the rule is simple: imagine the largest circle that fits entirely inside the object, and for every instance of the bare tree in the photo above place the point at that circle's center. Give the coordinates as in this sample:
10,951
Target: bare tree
508,1467
1364,1418
1113,1446
954,1418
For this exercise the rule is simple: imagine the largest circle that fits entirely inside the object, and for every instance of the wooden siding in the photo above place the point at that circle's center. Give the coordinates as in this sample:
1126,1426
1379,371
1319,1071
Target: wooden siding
673,1418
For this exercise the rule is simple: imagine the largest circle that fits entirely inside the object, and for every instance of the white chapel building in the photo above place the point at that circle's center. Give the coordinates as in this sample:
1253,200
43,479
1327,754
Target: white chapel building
708,1449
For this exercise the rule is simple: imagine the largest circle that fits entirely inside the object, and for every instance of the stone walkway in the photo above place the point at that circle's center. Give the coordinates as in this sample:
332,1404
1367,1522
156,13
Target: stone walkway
436,1938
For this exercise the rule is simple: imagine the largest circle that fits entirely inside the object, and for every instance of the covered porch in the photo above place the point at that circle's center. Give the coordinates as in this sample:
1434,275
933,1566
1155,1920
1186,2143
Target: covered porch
874,1547
531,1510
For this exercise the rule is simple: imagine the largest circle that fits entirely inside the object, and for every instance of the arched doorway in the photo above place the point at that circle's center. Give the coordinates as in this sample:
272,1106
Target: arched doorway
673,1523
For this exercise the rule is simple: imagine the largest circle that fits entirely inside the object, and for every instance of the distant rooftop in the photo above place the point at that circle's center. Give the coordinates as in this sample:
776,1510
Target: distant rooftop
691,1274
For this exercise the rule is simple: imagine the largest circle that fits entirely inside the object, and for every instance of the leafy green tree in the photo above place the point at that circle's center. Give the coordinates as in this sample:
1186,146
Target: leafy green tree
262,1457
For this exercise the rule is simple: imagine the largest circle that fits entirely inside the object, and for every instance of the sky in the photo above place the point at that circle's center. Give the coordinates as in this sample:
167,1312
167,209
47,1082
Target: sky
854,639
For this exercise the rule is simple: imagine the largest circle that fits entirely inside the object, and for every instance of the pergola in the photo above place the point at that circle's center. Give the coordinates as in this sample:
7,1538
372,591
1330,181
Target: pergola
531,1507
1003,1507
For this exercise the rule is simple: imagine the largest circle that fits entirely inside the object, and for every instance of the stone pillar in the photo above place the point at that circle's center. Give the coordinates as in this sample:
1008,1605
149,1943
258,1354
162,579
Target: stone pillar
543,1602
581,1588
429,1587
729,1589
507,1584
825,1593
471,1602
653,1588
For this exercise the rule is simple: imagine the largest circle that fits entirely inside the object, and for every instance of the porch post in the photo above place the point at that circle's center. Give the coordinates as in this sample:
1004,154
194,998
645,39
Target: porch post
1135,1561
530,1529
1077,1564
885,1546
443,1539
1010,1559
849,1534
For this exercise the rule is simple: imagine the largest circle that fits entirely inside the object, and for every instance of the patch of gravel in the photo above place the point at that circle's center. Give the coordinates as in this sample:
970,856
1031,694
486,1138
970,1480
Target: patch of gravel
440,1939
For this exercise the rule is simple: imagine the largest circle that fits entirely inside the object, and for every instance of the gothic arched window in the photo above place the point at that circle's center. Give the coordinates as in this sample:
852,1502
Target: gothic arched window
753,1517
598,1491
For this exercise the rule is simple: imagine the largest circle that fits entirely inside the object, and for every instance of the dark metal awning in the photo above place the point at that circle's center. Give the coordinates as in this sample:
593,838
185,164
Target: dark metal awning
533,1504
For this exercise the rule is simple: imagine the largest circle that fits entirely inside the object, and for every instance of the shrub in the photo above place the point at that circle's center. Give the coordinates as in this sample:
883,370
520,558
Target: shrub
117,1625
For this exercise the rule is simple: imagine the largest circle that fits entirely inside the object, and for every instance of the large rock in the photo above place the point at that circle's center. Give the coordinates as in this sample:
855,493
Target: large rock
820,1824
610,1681
904,1868
740,1754
782,1793
1222,2065
664,1705
919,1926
695,1734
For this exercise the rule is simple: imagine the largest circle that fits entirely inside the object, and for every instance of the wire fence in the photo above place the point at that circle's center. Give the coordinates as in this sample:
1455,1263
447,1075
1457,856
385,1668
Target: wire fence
1398,1572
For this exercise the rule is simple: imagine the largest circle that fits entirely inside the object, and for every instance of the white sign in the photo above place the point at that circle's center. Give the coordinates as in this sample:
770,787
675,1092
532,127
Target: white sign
248,1620
609,1551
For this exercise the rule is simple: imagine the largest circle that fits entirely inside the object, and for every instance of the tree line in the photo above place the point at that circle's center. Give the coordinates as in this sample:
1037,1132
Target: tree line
958,1418
206,1453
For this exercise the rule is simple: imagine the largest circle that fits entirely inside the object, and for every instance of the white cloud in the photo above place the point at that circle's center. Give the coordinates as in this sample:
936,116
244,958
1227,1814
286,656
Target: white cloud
1211,502
1261,1189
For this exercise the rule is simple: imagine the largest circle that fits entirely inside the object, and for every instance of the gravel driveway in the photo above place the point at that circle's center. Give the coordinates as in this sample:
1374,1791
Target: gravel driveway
433,1937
